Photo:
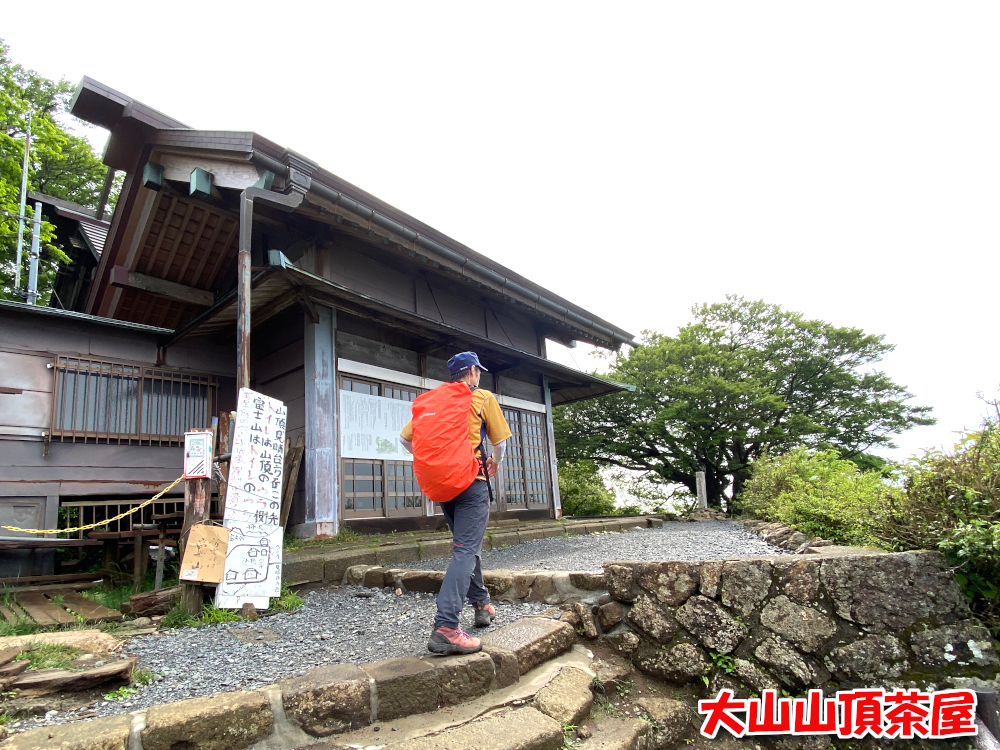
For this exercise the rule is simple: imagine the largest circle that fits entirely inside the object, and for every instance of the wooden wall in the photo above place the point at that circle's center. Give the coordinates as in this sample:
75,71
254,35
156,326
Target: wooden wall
417,288
368,342
28,343
277,370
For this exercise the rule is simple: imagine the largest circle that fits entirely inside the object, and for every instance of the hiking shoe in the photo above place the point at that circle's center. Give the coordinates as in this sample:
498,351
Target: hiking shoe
485,614
452,641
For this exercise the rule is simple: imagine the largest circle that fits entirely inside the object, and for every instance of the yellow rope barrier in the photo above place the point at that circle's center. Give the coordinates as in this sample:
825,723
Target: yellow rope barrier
106,521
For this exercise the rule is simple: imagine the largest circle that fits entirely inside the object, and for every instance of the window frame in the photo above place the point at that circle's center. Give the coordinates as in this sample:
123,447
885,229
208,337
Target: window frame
387,505
526,453
113,402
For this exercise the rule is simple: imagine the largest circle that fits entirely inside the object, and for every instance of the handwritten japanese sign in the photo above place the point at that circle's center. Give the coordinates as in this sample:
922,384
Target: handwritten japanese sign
205,554
370,426
253,502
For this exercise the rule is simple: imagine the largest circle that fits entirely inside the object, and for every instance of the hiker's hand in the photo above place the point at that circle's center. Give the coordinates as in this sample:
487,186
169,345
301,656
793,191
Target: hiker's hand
491,467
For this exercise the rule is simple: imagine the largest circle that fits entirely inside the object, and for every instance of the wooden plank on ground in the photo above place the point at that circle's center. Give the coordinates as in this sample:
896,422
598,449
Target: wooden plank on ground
55,588
62,578
44,681
11,614
14,668
91,611
8,655
42,611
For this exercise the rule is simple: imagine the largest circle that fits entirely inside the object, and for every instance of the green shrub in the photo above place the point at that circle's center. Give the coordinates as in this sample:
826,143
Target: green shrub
952,503
582,490
946,490
821,494
944,500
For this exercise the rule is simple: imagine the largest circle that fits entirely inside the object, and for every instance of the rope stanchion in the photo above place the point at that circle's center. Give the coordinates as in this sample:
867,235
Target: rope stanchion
106,521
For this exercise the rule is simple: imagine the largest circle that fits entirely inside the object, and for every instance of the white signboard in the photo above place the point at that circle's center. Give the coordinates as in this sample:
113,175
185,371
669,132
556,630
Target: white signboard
370,427
253,503
198,455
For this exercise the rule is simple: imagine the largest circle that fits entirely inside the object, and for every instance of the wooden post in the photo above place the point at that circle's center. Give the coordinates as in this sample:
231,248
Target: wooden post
197,493
322,503
110,554
137,571
160,554
293,460
550,442
225,420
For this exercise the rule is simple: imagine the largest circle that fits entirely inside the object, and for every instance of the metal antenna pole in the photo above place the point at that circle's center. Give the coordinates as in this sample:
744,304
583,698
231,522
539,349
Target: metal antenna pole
36,231
24,196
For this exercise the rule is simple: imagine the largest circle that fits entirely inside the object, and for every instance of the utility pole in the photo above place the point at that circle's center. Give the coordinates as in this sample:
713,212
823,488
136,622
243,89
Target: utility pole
36,230
24,196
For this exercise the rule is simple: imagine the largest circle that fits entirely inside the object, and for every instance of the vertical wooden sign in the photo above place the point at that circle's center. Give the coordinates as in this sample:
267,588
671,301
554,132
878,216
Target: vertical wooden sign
253,504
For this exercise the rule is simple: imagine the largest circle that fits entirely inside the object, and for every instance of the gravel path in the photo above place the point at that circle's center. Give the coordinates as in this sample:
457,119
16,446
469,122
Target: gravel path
698,540
337,626
333,626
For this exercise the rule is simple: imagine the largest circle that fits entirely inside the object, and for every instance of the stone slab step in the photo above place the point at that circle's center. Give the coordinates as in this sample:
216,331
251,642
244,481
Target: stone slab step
506,729
568,698
329,564
532,640
392,733
619,734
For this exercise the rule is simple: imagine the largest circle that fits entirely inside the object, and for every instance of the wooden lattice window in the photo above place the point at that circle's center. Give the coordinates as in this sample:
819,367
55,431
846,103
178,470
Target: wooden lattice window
115,402
525,474
533,449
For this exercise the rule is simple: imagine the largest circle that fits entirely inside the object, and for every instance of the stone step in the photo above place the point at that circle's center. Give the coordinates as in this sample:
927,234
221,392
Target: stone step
507,729
546,586
329,564
393,734
367,701
619,734
532,640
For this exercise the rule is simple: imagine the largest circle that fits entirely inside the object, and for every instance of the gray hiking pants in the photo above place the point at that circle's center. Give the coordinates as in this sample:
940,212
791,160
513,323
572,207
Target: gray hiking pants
467,516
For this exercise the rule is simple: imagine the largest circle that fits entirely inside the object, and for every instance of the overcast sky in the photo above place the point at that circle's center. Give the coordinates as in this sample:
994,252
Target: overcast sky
838,159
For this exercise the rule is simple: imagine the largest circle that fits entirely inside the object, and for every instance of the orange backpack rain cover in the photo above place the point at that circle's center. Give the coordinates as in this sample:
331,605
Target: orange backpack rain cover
444,463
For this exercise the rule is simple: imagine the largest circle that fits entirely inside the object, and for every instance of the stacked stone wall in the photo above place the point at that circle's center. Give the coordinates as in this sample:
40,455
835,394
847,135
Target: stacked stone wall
797,622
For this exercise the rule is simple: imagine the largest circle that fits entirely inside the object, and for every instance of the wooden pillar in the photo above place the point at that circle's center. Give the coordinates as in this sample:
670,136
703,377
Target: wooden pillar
196,499
110,554
322,506
550,437
160,555
137,567
226,420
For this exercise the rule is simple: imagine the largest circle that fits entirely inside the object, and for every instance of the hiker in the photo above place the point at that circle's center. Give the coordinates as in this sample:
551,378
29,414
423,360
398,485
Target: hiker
447,436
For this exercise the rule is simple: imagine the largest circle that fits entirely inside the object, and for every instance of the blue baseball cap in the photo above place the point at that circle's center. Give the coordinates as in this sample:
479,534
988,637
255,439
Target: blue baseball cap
464,361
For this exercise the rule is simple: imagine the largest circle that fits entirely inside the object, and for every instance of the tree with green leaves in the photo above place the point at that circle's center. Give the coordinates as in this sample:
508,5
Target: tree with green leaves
582,490
62,165
744,378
